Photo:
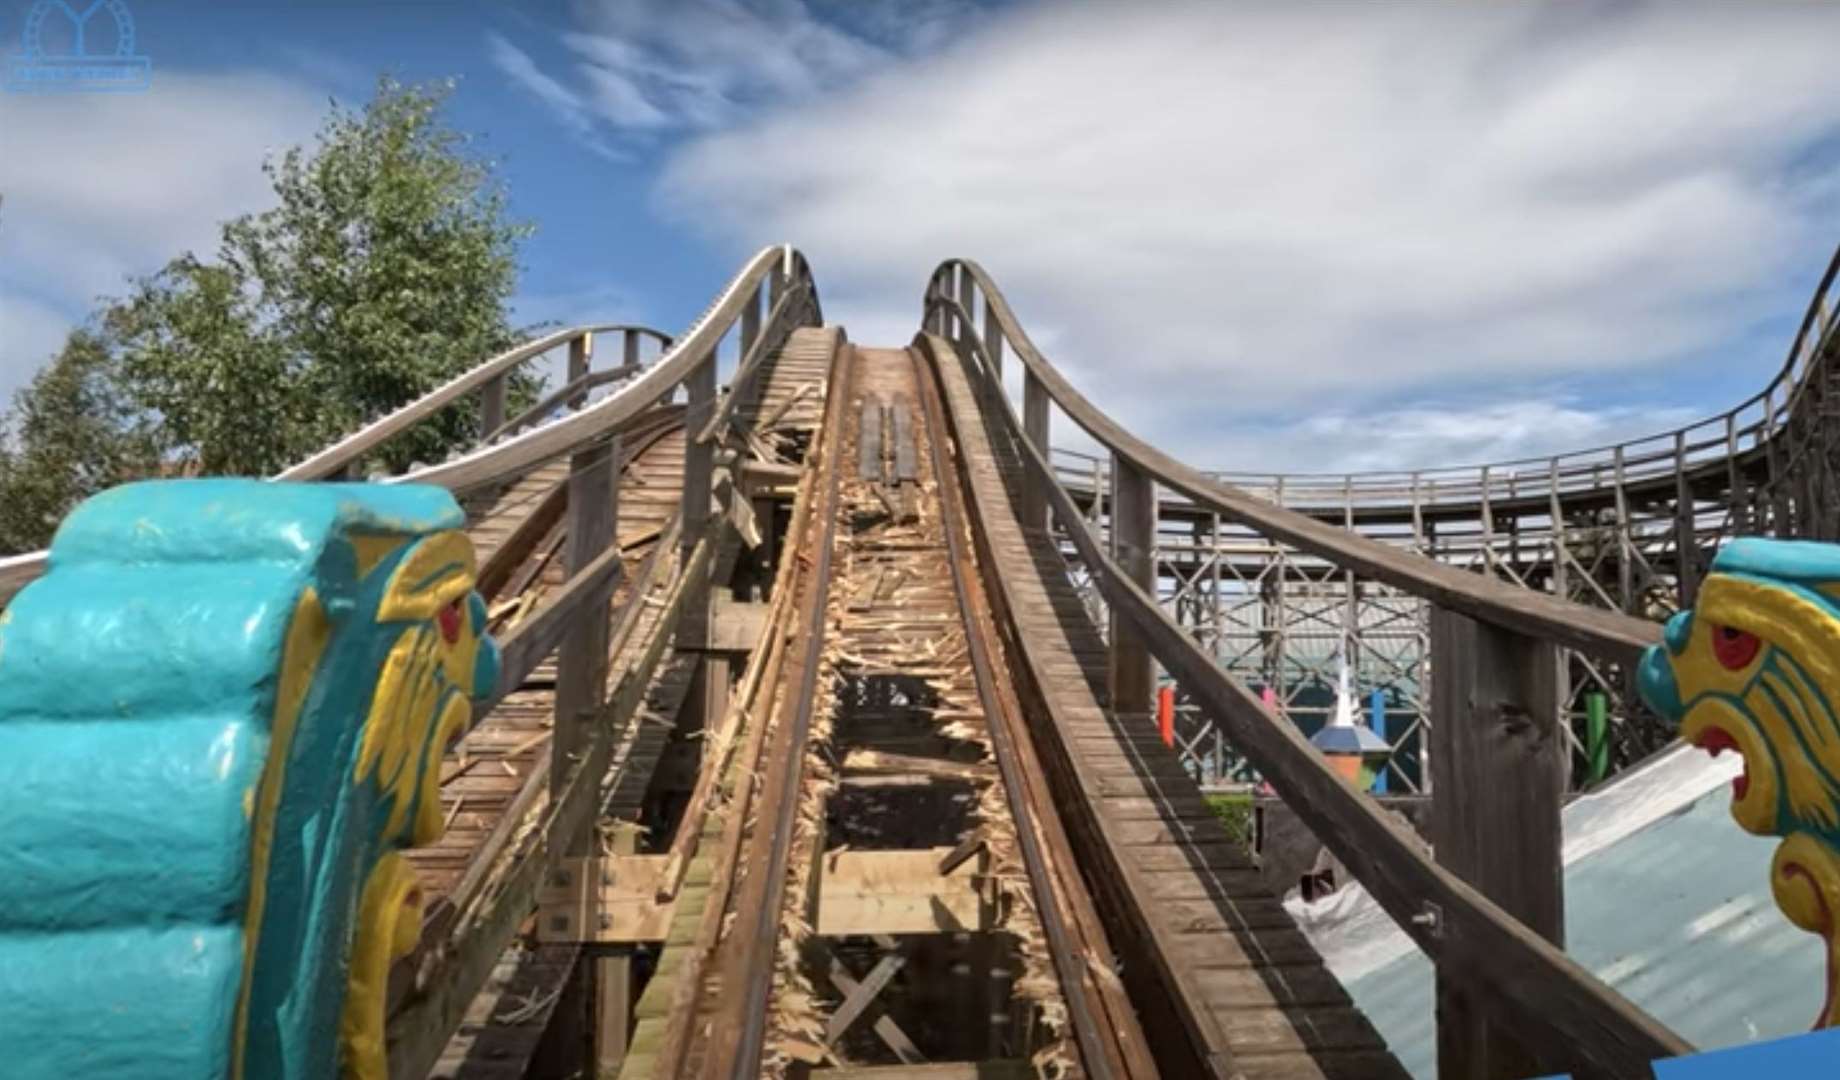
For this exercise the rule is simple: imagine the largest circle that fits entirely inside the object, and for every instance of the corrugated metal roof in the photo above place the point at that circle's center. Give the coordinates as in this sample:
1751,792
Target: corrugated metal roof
1675,913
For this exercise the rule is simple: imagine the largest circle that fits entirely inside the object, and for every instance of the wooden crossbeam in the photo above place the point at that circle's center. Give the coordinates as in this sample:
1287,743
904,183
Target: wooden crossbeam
863,994
614,899
860,998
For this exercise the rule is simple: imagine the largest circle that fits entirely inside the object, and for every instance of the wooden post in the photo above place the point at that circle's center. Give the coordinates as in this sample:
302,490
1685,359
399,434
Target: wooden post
699,467
1133,538
1498,776
750,321
581,658
581,351
993,341
967,302
613,985
629,354
492,406
1035,430
1686,533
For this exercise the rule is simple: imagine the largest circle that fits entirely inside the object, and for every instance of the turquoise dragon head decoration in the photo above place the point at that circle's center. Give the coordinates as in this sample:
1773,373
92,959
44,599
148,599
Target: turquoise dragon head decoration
1754,667
222,717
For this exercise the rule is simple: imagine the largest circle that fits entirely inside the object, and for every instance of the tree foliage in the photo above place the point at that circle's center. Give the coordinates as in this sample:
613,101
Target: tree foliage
384,269
70,434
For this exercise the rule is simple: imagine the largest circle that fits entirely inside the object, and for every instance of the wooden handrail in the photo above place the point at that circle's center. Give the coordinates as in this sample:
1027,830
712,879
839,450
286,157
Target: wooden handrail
516,455
354,446
1467,935
492,464
750,362
558,398
1540,615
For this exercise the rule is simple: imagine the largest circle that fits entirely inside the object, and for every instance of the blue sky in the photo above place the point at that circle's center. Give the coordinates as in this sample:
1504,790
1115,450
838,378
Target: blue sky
1303,236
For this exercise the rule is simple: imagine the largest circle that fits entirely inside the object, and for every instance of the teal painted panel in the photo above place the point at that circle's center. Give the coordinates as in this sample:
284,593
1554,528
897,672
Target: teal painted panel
139,682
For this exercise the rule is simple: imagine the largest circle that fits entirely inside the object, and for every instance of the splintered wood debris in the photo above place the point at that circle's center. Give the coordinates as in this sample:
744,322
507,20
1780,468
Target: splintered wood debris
892,614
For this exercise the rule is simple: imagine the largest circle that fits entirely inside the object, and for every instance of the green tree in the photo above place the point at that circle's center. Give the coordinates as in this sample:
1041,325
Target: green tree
70,434
384,269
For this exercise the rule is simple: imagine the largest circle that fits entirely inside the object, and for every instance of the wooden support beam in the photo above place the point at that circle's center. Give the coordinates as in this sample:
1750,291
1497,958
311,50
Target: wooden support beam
993,339
581,660
736,625
615,899
613,986
859,999
966,284
1498,770
492,405
1035,430
885,1026
699,471
750,321
1133,677
581,354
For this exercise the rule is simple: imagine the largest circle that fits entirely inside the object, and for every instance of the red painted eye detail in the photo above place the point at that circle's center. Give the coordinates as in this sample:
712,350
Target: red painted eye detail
1734,648
449,618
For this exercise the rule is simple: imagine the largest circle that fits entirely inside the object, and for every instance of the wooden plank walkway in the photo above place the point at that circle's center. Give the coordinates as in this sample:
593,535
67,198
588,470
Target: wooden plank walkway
1210,954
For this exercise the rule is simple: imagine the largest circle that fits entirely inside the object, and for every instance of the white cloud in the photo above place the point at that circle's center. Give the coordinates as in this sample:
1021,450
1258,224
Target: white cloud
103,186
1427,436
1254,213
640,69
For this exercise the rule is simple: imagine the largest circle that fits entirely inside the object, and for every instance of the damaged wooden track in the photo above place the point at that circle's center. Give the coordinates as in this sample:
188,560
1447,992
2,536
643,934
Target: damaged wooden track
879,878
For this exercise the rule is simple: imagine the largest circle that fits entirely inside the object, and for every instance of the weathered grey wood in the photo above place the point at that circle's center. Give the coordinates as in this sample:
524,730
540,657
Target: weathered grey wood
697,501
1608,634
753,356
492,404
1470,938
863,996
613,987
1498,777
750,321
581,357
905,450
518,454
993,339
1686,539
432,1011
1035,430
1132,672
869,441
967,326
556,398
581,662
358,443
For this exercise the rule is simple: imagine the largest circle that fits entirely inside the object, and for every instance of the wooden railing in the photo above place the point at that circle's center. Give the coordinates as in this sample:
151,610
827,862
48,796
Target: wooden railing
432,988
511,448
1711,444
1489,910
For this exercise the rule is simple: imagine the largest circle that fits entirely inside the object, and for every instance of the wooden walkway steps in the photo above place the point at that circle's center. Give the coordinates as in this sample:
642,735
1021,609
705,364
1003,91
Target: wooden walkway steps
1210,955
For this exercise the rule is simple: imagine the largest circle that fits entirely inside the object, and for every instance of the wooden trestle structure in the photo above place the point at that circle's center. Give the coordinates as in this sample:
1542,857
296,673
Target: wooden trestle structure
810,758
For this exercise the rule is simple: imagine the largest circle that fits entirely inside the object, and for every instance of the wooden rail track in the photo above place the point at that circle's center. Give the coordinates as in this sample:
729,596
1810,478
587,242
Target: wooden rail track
930,830
1490,917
